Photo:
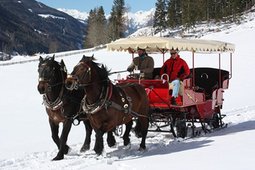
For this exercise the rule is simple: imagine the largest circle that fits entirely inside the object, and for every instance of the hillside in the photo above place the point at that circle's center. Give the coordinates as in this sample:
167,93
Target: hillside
26,140
200,29
28,27
135,21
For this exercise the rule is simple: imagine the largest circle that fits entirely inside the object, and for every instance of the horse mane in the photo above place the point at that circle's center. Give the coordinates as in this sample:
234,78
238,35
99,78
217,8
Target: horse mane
101,68
59,65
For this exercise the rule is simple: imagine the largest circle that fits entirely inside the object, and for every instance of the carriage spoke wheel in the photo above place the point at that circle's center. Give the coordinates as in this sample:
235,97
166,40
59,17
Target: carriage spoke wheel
216,121
119,130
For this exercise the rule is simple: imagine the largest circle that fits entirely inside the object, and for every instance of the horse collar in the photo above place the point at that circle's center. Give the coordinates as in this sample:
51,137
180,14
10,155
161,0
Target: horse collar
58,103
55,105
106,94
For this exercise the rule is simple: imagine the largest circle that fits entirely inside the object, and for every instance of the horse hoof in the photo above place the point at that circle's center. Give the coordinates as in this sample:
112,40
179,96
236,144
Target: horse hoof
126,147
57,158
141,149
84,148
111,144
98,153
66,149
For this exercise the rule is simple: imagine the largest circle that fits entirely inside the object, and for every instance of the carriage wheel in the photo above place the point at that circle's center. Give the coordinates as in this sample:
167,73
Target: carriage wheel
216,120
173,128
119,130
181,128
178,126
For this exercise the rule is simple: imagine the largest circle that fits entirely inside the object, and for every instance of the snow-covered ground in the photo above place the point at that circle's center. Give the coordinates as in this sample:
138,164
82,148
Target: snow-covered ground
25,139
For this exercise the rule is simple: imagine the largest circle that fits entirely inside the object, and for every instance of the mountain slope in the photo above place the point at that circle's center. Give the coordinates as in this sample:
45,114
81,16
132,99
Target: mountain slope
135,21
26,141
28,26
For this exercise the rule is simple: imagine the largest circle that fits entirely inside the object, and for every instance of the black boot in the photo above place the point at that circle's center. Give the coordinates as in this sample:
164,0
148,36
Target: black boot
173,101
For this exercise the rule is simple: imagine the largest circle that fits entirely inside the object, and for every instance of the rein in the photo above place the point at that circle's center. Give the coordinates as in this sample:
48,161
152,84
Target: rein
88,84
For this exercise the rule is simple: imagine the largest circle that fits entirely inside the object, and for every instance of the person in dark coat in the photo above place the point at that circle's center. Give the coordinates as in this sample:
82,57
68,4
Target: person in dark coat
177,69
144,63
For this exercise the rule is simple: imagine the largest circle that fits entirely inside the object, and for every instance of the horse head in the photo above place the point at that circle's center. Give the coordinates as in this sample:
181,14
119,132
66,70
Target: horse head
107,104
85,73
51,74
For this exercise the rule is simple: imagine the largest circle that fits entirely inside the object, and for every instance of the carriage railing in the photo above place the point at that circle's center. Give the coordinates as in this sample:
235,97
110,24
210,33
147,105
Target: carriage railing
206,81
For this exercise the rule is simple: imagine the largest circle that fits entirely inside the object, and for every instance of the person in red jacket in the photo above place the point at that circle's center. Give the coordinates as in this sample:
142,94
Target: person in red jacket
177,69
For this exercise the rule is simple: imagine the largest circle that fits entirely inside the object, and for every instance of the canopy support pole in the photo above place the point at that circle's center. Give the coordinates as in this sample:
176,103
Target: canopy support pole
193,68
219,83
230,74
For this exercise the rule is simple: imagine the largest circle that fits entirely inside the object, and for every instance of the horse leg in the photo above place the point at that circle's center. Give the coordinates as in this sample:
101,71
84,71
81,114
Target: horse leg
144,124
110,139
99,144
54,133
87,141
137,129
126,134
63,147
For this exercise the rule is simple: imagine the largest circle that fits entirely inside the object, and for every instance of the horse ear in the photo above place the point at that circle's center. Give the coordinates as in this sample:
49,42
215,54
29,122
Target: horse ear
63,66
92,57
53,57
62,63
40,59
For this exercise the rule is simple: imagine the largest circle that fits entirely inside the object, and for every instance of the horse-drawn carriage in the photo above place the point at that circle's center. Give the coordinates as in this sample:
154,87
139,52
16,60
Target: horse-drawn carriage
201,100
103,105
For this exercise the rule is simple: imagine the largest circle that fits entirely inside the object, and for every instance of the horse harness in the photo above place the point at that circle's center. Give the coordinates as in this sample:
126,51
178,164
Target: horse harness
57,104
105,102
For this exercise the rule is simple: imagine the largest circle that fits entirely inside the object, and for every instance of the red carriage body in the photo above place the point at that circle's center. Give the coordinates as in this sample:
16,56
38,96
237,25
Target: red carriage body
202,97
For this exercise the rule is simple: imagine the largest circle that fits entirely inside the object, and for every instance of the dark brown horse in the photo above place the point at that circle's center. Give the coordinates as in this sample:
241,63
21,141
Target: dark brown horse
61,104
108,105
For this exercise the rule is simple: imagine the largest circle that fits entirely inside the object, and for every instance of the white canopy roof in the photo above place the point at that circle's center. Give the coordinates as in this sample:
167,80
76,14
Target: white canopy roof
156,44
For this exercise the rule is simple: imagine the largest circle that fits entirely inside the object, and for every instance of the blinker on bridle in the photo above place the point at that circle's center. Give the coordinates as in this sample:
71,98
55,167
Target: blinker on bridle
75,84
43,79
87,73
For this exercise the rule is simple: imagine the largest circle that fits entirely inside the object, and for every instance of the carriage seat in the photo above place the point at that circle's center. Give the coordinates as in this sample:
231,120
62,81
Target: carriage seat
207,80
156,73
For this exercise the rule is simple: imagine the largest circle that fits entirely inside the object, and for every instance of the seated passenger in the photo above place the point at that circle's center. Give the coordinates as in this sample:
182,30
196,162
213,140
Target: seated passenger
177,70
144,63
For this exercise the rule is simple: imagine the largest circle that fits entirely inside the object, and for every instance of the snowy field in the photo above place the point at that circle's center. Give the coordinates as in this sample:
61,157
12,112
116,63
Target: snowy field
25,139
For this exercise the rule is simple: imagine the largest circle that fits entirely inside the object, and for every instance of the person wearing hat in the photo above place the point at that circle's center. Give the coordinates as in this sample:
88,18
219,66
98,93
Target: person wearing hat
144,63
177,69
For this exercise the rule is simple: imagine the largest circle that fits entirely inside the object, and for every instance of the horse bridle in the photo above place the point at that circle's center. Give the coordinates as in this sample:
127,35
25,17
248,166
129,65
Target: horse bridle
43,79
105,94
76,84
56,104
